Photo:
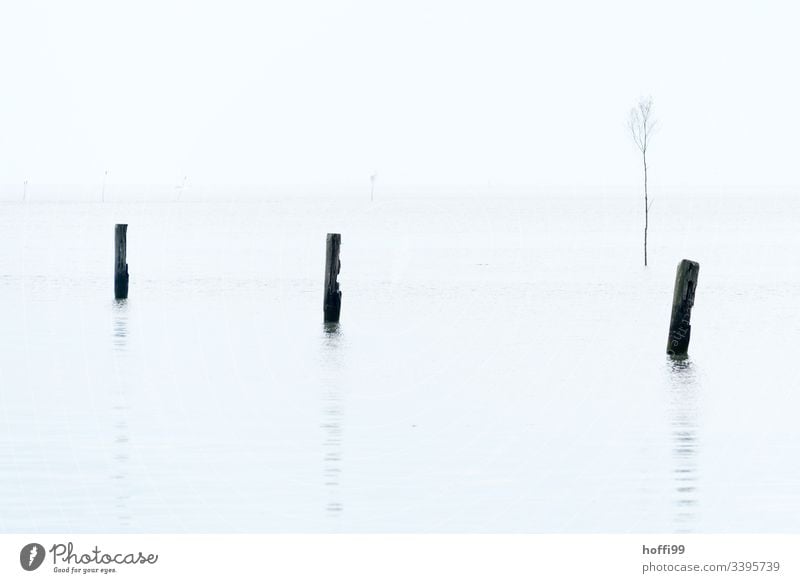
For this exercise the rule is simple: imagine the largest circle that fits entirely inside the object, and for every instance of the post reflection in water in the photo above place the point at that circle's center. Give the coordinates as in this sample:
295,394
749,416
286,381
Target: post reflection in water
683,416
121,445
332,417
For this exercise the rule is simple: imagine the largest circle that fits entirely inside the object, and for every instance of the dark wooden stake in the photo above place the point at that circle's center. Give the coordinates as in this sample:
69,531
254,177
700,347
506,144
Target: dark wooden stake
120,265
332,304
682,302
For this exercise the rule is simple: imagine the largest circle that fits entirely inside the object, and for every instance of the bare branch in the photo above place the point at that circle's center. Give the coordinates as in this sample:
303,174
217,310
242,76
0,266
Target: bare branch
635,125
641,125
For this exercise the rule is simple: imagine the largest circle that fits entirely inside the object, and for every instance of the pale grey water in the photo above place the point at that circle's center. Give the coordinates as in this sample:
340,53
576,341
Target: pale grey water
499,367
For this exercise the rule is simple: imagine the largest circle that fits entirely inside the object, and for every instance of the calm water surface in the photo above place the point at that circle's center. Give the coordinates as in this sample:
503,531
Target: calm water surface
499,367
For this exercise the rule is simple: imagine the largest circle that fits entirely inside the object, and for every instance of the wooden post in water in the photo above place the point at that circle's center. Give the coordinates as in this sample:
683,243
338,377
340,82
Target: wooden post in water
120,265
682,301
332,304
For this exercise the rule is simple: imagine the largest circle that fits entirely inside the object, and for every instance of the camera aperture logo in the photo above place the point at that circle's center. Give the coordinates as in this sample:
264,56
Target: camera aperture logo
66,559
31,556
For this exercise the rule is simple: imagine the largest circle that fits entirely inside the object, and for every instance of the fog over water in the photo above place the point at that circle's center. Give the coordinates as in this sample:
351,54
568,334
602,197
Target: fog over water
500,363
500,366
426,93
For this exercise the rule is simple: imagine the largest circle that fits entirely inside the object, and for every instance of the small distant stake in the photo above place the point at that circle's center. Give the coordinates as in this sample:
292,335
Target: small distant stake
120,262
372,187
332,303
682,301
182,187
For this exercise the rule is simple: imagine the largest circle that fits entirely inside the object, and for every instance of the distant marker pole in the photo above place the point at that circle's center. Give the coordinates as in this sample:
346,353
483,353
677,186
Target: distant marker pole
182,187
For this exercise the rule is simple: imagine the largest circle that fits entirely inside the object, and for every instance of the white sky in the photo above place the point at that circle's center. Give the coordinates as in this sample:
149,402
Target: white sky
430,92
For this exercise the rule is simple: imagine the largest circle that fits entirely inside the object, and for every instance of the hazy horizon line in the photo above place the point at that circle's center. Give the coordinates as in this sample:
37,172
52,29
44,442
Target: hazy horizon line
110,191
